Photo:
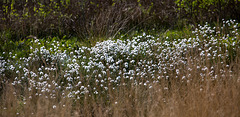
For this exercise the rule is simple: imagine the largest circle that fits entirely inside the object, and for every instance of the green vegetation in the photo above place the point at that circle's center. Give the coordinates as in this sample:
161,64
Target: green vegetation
119,58
86,19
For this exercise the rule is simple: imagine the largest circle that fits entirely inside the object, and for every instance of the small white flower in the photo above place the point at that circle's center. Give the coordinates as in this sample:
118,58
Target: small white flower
54,106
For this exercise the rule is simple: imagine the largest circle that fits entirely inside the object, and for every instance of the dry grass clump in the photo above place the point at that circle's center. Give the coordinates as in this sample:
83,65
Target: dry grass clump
206,99
169,98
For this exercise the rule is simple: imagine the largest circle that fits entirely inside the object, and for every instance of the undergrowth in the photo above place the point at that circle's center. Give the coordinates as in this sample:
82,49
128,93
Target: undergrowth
194,72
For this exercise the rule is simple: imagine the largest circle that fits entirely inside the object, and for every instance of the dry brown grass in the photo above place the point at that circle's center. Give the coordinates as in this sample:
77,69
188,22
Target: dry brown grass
192,97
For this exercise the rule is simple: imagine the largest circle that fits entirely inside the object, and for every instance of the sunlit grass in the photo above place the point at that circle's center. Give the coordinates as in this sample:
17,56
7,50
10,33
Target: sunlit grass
144,75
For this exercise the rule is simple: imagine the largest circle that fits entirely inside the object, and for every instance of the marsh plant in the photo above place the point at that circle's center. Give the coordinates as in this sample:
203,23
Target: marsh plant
144,75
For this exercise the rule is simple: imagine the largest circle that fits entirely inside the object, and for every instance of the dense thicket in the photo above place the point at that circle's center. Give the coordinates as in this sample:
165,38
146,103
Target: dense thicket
105,18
